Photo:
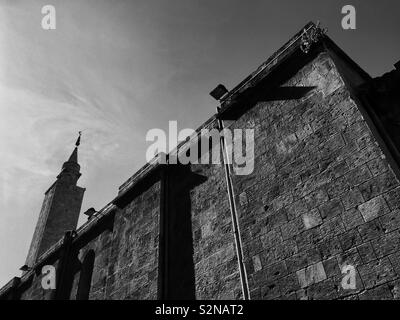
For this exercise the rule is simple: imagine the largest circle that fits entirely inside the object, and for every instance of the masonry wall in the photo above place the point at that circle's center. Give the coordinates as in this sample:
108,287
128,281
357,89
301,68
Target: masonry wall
216,266
33,288
126,258
322,196
130,271
126,254
102,272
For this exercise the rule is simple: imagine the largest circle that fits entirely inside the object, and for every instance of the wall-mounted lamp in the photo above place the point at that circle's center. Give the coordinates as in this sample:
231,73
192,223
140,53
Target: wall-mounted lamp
219,92
25,268
90,212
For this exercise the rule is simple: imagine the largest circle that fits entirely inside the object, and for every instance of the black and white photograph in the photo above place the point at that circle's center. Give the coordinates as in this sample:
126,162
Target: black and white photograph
200,154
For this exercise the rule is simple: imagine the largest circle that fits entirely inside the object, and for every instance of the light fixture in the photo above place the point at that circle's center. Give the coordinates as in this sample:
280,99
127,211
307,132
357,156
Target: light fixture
90,212
25,268
219,92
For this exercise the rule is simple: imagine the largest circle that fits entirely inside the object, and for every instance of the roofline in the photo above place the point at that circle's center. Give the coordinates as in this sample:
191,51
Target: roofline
264,68
274,59
253,79
80,232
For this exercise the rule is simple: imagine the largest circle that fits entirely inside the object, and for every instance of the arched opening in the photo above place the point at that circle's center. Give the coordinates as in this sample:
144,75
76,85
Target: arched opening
86,276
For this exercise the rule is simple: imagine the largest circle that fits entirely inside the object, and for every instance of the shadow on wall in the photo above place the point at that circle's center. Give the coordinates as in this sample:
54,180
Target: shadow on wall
86,276
179,282
256,95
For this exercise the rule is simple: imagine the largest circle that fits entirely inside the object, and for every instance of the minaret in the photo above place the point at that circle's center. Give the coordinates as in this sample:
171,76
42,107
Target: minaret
60,209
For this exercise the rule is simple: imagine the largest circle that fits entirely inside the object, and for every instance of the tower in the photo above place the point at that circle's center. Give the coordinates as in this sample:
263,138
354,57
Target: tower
60,208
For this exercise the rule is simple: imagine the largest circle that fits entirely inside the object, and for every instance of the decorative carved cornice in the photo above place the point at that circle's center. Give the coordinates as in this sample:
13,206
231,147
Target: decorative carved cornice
310,36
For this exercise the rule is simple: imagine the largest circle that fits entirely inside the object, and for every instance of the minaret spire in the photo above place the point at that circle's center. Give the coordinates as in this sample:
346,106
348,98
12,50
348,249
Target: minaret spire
70,169
78,141
60,210
74,156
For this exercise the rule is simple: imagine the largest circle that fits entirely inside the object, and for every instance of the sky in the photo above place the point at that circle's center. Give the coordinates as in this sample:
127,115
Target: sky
115,69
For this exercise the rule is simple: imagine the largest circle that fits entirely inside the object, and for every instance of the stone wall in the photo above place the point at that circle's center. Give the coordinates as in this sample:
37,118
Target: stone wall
322,196
126,257
131,267
216,266
33,288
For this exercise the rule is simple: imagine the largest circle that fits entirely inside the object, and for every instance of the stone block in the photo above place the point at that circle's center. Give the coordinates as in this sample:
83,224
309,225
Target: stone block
352,218
390,221
352,198
373,208
377,272
331,209
386,244
257,263
379,293
312,274
312,219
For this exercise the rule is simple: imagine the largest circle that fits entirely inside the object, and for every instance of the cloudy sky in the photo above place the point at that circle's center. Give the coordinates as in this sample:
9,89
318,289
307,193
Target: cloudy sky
117,68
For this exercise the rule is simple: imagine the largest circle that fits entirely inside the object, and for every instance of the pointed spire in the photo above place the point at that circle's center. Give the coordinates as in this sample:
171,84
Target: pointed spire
70,168
74,156
60,210
78,141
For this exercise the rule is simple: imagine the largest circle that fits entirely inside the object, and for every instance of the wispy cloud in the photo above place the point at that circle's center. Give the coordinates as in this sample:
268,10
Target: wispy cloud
53,85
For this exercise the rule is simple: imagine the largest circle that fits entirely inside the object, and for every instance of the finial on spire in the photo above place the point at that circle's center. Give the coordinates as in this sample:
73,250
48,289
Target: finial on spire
78,141
74,155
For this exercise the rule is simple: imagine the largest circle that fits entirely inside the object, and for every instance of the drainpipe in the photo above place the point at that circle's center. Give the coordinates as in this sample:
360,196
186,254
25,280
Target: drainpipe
234,216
